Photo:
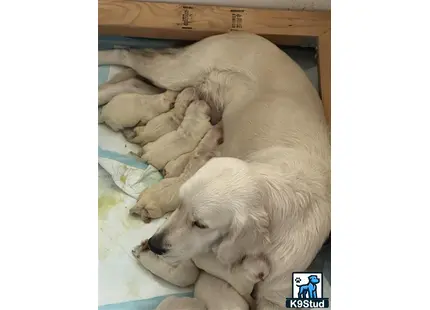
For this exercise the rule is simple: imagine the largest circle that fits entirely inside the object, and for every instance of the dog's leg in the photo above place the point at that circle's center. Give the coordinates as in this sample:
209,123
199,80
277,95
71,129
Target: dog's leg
181,303
123,75
218,294
182,275
158,199
108,91
162,197
172,69
209,65
242,277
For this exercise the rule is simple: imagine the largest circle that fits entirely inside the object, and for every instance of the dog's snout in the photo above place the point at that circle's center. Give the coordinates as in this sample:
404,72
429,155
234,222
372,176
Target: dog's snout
155,244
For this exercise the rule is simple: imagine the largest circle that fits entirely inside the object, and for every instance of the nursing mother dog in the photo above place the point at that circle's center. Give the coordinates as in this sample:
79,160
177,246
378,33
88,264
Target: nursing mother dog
267,192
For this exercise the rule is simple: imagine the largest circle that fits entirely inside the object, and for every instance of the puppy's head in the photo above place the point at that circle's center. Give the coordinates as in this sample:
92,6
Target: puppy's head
218,205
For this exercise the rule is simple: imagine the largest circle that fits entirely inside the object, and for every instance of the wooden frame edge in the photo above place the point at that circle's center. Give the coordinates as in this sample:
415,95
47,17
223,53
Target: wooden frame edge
324,72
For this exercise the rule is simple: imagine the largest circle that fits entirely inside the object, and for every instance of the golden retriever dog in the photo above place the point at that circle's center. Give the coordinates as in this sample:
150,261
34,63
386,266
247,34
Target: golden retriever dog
266,193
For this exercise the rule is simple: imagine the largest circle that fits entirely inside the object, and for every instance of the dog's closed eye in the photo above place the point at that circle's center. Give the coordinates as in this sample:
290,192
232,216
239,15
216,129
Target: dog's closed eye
199,225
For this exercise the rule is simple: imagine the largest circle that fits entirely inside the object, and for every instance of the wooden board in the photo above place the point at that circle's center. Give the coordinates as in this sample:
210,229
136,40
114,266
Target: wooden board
194,22
324,69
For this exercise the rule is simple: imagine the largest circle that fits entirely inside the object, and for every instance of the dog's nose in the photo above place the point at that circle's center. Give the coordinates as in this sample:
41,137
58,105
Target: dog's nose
155,244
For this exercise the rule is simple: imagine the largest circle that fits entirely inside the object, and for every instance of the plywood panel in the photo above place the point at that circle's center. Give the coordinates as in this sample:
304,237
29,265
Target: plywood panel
194,22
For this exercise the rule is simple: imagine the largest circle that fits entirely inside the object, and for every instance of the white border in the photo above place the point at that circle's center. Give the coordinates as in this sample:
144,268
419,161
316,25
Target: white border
48,148
380,154
380,136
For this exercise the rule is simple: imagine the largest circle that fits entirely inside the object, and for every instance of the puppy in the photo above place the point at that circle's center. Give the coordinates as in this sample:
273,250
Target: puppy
204,150
164,123
129,109
194,126
268,189
124,82
148,204
175,167
214,293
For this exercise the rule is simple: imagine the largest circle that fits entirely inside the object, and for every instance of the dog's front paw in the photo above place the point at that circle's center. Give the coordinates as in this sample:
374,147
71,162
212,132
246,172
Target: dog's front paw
146,211
157,200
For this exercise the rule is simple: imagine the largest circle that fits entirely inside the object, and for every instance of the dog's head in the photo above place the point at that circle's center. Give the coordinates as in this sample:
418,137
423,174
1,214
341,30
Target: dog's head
314,279
220,210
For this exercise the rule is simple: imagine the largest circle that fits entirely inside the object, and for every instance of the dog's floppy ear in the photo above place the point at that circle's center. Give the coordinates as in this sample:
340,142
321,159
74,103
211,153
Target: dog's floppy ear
247,231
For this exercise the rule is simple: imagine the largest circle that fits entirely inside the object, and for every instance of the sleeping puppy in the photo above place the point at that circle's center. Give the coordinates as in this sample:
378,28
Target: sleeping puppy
164,123
197,158
194,126
209,288
268,191
210,293
204,150
124,82
129,109
175,167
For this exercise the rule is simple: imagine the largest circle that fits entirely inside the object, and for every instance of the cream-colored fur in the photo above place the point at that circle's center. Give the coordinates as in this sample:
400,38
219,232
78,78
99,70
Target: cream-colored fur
150,200
124,82
195,125
269,190
175,167
164,123
181,303
209,288
129,109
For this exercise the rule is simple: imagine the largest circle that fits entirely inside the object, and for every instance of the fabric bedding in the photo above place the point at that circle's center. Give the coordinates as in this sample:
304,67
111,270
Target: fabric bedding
121,179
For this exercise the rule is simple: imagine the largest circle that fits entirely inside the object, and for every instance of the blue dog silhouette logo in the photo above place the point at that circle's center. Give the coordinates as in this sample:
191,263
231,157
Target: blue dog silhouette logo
308,290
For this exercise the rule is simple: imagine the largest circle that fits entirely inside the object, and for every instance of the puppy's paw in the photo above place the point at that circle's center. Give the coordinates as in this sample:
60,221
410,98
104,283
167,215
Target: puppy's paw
142,247
257,267
157,200
129,134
